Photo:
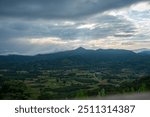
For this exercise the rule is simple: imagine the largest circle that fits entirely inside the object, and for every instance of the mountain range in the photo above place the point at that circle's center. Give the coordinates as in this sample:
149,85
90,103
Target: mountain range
80,58
142,51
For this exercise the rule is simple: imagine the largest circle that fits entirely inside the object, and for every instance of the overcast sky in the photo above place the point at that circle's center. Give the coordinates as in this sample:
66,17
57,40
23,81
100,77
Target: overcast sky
45,26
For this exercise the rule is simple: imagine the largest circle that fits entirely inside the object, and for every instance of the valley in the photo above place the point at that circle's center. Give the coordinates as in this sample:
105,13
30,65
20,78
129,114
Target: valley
75,74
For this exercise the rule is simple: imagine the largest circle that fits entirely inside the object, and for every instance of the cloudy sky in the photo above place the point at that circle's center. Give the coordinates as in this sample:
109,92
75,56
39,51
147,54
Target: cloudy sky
45,26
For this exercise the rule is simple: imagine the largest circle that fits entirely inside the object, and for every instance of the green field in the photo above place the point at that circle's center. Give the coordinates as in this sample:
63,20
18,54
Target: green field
69,84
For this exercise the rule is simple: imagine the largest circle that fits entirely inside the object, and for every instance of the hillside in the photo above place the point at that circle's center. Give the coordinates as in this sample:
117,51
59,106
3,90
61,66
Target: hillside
78,73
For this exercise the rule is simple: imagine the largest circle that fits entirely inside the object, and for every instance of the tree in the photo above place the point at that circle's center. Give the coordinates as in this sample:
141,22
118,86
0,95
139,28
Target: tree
81,94
14,89
132,89
142,87
102,92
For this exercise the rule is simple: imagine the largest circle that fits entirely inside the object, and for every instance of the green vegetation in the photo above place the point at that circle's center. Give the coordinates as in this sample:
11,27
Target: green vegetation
76,74
68,84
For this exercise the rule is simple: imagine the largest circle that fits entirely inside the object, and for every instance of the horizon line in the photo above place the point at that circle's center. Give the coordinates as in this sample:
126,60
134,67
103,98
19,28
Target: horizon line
80,47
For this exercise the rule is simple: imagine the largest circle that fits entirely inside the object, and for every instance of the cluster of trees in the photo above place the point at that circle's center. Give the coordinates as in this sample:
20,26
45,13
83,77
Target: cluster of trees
13,89
17,89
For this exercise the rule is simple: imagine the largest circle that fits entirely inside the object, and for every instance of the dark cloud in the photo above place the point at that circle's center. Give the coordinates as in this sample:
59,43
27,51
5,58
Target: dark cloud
23,20
124,35
54,9
19,29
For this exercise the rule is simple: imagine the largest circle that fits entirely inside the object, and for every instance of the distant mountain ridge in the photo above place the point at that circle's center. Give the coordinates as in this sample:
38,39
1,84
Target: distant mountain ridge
145,53
141,50
80,57
88,53
81,52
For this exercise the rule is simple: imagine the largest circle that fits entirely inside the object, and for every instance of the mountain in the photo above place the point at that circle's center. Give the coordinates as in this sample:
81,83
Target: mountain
86,55
79,53
141,50
145,53
80,49
78,58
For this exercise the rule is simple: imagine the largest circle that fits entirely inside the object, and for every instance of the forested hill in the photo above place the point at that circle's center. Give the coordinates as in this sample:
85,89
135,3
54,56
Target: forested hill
78,73
81,58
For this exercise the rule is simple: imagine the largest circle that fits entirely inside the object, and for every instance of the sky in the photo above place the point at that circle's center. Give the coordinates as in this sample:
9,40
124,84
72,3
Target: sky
30,27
